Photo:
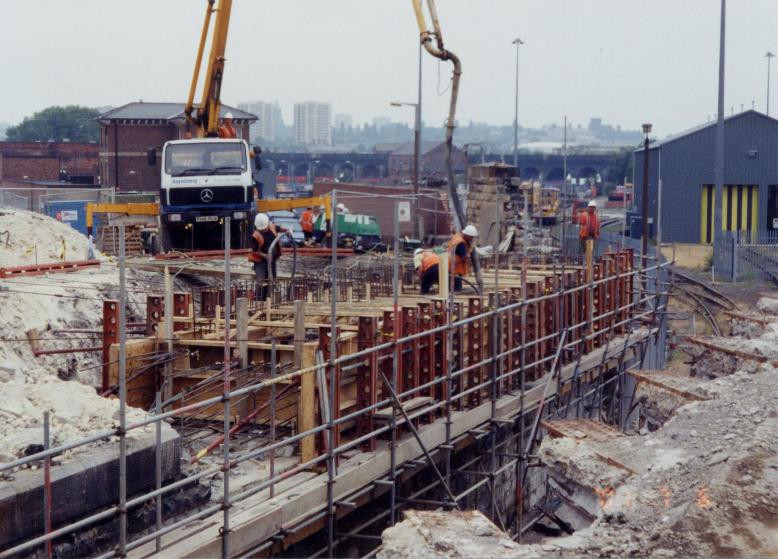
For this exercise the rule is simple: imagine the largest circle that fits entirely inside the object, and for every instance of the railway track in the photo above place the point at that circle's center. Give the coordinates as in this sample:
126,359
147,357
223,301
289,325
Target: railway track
703,298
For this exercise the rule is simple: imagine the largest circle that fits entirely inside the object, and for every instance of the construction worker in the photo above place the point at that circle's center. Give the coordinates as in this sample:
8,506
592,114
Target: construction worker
426,264
318,225
306,223
588,224
261,240
460,249
227,130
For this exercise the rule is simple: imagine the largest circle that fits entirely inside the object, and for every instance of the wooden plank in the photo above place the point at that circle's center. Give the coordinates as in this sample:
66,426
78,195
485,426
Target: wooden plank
653,380
306,414
220,343
764,321
142,388
410,405
730,351
242,319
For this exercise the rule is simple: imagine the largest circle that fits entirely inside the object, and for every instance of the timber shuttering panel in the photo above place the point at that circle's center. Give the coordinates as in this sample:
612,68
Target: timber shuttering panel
739,209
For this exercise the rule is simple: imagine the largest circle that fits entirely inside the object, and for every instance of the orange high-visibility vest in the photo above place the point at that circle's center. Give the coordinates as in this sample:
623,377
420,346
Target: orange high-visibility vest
589,225
460,265
258,256
306,221
227,131
428,260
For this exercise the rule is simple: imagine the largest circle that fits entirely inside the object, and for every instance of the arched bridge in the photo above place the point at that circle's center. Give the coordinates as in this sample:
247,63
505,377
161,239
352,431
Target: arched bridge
373,166
550,167
344,166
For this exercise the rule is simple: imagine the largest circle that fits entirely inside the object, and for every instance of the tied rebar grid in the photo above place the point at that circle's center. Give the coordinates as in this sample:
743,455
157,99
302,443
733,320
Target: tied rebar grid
634,311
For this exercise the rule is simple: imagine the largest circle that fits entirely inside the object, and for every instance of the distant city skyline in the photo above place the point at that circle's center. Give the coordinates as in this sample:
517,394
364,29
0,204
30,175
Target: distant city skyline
625,62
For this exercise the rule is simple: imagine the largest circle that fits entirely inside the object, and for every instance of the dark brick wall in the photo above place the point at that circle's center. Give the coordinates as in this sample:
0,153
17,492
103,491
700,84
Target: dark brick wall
433,206
45,160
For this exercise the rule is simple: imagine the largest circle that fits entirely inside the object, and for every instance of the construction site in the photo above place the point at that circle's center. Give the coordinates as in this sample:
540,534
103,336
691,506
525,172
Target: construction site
172,384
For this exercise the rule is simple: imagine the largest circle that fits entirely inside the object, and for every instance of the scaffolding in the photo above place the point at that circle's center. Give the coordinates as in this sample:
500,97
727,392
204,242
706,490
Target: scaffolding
431,377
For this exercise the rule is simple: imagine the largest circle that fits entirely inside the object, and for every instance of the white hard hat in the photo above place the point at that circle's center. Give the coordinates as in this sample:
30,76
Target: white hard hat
470,231
341,206
418,251
228,115
261,222
592,204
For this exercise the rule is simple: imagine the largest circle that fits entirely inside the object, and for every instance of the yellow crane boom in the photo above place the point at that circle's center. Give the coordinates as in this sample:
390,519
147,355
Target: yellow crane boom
205,115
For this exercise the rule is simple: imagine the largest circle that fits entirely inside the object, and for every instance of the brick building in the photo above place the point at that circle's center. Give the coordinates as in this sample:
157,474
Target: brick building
127,132
433,161
433,210
49,161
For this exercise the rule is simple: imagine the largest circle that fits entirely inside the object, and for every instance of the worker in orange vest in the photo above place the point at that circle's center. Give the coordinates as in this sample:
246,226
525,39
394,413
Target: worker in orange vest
306,222
261,241
460,249
227,130
588,224
426,264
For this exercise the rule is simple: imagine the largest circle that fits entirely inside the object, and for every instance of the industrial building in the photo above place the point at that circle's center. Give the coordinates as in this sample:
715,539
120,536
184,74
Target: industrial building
683,166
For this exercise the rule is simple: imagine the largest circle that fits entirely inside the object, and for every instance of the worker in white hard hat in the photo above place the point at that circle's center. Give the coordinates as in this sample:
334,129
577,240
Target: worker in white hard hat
426,264
227,130
460,249
342,209
261,241
588,224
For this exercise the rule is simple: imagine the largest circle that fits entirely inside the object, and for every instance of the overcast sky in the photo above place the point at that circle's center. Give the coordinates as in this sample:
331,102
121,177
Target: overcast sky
626,61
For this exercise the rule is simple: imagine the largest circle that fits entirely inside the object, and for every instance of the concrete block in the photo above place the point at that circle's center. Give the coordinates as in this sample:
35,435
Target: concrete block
84,483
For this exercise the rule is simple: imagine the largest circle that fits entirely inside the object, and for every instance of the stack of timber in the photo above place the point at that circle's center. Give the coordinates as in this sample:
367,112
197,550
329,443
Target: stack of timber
108,243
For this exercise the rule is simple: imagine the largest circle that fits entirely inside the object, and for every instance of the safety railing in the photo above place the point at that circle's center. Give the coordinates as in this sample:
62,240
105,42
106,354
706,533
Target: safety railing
538,362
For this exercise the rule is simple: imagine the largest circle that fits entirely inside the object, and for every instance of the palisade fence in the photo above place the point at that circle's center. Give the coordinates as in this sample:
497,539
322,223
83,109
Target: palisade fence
743,255
35,199
10,199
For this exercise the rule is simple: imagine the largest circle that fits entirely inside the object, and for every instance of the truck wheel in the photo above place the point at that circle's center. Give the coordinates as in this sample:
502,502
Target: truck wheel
162,240
156,245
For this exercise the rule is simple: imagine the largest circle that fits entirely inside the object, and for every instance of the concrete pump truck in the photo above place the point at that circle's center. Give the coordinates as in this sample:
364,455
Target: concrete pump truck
209,176
206,178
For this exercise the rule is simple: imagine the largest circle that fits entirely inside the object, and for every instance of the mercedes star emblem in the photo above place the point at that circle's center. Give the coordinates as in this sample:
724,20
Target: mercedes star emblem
206,195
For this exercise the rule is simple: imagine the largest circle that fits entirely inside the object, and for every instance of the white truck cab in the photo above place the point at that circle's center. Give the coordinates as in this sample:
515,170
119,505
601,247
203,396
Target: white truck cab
203,181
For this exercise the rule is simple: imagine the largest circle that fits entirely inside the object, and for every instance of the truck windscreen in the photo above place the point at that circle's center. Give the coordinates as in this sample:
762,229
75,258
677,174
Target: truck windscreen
205,158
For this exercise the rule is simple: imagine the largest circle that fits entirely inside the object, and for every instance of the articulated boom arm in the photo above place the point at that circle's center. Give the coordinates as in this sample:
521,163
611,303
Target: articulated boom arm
205,115
439,51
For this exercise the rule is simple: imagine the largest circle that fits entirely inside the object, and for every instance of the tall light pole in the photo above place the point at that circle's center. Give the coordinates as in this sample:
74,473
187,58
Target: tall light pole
417,132
719,153
644,217
518,42
416,159
769,56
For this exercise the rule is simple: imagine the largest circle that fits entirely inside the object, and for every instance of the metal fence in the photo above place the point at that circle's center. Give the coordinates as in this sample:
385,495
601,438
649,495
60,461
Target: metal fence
449,391
10,199
743,255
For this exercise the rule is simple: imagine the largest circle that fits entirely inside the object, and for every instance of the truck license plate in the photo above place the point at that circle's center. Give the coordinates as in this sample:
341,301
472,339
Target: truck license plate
206,218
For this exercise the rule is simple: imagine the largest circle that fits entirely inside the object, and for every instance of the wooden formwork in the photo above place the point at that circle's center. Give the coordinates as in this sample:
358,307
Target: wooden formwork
588,315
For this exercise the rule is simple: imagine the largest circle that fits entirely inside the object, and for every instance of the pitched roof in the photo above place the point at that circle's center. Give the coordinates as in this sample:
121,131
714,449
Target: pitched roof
701,127
407,148
164,111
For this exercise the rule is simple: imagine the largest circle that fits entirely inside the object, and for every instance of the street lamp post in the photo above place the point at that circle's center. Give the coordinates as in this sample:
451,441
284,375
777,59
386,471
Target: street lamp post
416,159
644,217
518,42
769,56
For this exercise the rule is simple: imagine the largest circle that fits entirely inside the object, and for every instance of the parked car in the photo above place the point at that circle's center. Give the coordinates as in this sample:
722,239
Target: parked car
289,221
